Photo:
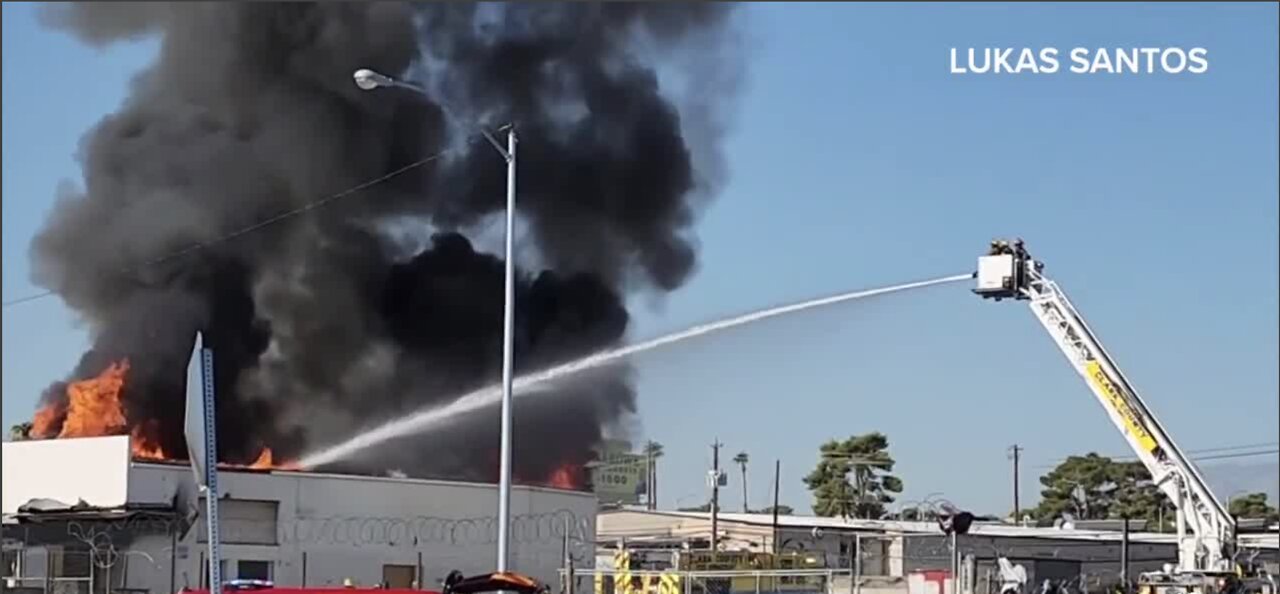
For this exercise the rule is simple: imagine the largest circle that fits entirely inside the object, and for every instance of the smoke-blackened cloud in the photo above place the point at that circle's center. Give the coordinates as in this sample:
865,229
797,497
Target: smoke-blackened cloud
325,323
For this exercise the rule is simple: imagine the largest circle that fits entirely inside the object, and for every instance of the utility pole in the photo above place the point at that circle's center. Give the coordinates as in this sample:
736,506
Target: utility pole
648,477
653,486
1124,554
955,564
569,578
715,495
862,496
1014,450
777,472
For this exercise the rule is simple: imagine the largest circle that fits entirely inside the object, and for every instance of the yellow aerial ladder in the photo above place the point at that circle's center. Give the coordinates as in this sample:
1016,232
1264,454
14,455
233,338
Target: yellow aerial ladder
1206,532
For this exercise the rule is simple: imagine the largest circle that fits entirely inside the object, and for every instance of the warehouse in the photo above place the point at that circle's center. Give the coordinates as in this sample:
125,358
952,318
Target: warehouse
894,551
82,512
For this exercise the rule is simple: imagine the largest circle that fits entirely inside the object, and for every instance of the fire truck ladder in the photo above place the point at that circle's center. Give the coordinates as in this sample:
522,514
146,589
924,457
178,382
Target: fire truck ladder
1205,531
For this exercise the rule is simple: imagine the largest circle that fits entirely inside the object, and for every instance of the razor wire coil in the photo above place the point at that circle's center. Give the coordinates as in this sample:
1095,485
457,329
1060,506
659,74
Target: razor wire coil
392,531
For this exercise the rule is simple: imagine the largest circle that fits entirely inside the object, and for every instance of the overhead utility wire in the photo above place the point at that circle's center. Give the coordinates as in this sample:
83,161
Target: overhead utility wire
1130,458
259,225
1238,455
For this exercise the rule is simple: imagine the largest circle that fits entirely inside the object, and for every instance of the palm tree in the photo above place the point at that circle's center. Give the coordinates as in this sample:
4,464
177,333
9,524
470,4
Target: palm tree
20,432
652,451
741,459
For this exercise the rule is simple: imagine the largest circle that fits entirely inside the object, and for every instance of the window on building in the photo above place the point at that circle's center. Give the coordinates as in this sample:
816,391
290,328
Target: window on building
253,570
399,576
243,521
204,570
71,562
12,567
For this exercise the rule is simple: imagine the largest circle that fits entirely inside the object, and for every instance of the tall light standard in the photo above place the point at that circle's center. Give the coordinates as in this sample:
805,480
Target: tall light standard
369,80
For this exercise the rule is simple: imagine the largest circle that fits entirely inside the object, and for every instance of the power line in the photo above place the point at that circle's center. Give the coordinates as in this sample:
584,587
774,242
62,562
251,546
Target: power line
32,297
256,226
1239,455
1214,450
1131,457
1227,448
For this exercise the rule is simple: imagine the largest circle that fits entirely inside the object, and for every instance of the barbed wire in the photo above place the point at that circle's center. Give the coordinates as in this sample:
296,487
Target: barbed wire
552,527
136,525
99,537
418,530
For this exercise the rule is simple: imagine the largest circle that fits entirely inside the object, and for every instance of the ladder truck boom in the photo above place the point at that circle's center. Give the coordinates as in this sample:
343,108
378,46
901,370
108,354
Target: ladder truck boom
1205,531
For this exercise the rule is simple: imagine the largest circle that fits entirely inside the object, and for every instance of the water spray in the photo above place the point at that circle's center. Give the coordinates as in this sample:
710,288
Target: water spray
490,395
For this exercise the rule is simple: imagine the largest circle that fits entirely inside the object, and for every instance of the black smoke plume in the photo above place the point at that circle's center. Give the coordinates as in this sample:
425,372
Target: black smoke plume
385,301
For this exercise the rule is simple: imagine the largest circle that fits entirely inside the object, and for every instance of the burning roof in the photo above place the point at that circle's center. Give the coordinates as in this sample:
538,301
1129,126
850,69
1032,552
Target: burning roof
94,407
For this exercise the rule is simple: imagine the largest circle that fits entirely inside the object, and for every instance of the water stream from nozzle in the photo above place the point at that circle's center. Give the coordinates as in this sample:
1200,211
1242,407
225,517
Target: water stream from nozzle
492,394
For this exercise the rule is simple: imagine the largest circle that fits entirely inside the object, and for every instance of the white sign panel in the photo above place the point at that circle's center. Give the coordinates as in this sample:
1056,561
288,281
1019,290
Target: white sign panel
195,421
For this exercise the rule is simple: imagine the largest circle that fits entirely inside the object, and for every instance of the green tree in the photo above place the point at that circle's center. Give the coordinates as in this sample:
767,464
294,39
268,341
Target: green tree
1093,487
1253,505
652,451
741,460
1135,496
853,477
20,432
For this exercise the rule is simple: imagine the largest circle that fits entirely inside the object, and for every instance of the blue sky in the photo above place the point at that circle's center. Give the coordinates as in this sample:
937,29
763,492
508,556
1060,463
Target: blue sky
856,160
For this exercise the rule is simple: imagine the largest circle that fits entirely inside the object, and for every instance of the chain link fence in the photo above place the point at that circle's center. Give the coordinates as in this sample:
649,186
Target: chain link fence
98,570
43,586
781,581
163,553
59,573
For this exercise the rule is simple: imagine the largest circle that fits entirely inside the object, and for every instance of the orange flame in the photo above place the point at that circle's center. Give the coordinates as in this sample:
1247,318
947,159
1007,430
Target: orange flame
143,443
267,460
565,476
45,423
94,408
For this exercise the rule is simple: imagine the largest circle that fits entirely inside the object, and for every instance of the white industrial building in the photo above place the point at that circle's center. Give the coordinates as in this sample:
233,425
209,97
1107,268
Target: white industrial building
82,513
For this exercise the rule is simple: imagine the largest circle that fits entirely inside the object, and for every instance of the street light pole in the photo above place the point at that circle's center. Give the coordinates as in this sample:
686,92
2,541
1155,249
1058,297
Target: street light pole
508,347
369,80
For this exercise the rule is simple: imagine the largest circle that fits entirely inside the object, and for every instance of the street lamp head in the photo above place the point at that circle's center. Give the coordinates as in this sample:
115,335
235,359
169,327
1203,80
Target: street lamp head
369,80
